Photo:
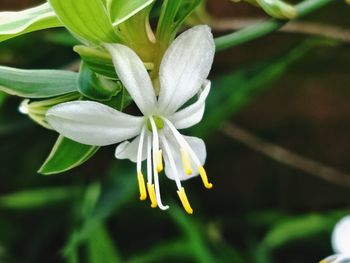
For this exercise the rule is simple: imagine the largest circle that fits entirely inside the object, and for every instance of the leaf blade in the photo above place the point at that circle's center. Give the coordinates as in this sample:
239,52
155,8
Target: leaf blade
65,155
13,24
92,22
37,83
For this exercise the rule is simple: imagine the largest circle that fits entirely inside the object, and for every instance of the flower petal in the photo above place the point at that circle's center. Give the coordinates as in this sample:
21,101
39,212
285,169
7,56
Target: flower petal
128,150
192,114
337,258
185,67
197,146
93,123
341,236
134,76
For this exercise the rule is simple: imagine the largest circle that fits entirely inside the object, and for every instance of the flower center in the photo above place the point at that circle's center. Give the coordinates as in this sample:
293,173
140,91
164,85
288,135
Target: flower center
158,121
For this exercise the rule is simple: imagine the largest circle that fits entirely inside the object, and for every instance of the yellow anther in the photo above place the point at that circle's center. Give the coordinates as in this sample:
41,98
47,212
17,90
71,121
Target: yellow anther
142,186
184,201
152,195
159,161
186,162
204,177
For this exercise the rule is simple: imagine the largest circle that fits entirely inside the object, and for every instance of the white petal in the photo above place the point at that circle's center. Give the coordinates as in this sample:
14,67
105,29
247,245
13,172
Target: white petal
134,76
185,67
93,123
338,258
192,114
197,146
341,236
128,150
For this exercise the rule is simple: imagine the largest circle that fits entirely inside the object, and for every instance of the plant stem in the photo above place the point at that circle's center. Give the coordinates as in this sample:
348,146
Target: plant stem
268,26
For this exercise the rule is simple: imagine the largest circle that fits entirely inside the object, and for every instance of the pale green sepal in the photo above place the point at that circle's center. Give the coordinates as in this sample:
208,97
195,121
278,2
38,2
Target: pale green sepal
88,20
37,83
100,61
65,155
13,24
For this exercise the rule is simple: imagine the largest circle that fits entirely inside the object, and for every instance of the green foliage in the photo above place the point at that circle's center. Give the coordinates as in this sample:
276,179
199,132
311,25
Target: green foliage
65,155
37,83
115,192
101,247
93,23
97,60
14,24
95,87
121,10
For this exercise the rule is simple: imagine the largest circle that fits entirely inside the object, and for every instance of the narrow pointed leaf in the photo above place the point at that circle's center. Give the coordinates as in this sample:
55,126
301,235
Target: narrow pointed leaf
13,24
65,155
121,10
37,83
88,20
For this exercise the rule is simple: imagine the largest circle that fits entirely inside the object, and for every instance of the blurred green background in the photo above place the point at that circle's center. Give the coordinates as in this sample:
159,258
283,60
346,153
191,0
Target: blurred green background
287,88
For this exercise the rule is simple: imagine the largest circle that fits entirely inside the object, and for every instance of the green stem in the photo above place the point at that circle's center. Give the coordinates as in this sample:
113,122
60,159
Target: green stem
268,26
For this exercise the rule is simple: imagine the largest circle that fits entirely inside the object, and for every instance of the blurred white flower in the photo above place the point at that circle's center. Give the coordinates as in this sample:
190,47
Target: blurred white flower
340,242
183,74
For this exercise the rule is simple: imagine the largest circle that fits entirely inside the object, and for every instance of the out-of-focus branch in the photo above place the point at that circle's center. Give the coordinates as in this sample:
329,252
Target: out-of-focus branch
265,27
287,157
308,28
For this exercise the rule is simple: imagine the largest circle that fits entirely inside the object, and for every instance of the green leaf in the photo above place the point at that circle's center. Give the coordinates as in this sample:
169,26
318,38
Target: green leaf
97,60
65,155
101,247
193,233
13,24
122,10
96,87
88,20
296,228
37,83
115,192
35,198
173,15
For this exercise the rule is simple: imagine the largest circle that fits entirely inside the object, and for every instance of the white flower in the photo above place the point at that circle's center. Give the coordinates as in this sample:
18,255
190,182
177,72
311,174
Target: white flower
183,74
340,242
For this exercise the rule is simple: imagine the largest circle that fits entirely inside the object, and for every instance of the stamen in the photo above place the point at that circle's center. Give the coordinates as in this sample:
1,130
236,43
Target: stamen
149,159
152,195
167,151
184,201
194,157
159,161
142,186
204,177
155,150
186,162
